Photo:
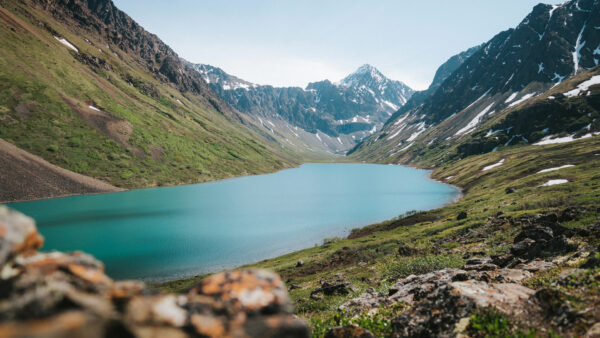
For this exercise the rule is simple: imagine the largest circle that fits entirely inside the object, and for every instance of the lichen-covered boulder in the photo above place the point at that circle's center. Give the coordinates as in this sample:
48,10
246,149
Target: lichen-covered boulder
18,234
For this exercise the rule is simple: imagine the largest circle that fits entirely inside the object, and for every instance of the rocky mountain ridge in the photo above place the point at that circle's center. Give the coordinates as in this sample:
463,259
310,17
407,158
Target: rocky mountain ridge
345,112
550,45
123,32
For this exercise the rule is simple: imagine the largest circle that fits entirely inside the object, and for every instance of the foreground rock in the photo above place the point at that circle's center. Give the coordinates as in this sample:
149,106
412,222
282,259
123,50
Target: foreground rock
438,312
68,295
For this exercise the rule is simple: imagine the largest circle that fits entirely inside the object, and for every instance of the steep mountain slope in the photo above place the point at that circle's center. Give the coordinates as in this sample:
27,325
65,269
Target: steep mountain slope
442,73
86,88
338,115
565,113
551,44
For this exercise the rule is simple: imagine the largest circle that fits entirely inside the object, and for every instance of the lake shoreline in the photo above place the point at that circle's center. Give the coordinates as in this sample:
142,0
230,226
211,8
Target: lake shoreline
459,196
232,222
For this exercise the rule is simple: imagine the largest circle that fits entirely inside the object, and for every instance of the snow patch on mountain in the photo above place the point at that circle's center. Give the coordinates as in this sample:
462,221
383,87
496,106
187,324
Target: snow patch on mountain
475,121
522,99
511,97
554,182
479,99
584,86
549,140
555,169
578,46
421,127
492,166
67,43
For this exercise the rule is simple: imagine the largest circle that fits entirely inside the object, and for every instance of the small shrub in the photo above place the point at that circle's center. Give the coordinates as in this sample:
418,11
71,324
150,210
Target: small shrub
379,323
122,164
400,268
94,155
126,175
75,142
488,322
52,148
331,240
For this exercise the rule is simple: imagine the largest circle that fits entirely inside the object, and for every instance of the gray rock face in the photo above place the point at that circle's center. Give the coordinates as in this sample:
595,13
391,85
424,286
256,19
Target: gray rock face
359,103
68,295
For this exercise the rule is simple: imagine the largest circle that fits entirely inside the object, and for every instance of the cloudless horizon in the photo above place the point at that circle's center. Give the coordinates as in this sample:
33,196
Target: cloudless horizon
292,43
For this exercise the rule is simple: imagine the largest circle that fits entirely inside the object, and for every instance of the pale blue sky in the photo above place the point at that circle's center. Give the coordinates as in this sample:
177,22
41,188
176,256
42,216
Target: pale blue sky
285,42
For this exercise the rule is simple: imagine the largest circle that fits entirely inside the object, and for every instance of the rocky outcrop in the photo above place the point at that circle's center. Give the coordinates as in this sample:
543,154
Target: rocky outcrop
441,301
438,312
336,285
121,31
68,295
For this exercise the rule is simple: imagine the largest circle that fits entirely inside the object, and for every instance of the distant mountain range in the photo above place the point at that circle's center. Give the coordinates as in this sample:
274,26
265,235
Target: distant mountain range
348,111
552,44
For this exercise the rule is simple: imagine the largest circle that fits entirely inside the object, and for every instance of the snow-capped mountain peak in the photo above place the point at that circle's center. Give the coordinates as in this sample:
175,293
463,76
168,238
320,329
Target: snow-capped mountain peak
369,79
362,76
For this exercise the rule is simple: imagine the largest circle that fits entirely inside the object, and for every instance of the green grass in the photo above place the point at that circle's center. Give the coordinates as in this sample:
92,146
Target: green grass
395,268
199,144
489,322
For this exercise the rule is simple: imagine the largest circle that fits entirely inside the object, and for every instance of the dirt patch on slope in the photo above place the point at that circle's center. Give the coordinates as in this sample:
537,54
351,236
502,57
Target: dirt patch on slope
24,176
157,152
114,127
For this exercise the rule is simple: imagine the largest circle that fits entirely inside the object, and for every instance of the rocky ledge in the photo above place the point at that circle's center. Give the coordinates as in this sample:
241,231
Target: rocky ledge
68,295
442,303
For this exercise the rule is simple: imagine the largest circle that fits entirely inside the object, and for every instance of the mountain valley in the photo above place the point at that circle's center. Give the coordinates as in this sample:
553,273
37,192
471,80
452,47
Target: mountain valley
91,102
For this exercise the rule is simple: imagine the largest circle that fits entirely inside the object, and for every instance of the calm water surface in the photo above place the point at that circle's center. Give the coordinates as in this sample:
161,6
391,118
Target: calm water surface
165,233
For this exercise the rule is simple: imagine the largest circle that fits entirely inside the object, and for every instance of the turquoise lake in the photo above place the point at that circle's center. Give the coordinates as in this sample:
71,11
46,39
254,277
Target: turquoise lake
172,232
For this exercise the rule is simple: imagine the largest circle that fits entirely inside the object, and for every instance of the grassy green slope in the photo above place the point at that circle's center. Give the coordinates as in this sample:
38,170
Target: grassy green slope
147,134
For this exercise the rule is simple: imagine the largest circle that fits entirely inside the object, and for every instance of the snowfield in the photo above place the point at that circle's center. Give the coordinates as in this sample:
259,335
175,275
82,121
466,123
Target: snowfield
475,121
66,43
492,166
548,140
554,182
555,169
583,87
